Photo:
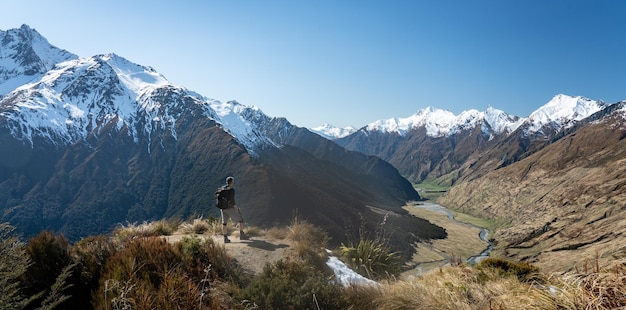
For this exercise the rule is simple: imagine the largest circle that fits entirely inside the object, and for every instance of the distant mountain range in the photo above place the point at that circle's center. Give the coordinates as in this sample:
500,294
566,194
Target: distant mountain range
433,142
561,112
91,143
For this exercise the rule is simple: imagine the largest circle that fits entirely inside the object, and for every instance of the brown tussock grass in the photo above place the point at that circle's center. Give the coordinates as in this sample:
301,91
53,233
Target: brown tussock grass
462,287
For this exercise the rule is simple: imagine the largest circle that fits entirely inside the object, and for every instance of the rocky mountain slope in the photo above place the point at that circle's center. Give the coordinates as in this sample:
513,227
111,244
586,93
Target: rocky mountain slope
563,204
89,143
432,143
552,183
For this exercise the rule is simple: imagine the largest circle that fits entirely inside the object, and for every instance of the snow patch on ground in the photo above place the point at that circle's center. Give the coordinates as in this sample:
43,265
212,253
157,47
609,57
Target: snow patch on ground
345,275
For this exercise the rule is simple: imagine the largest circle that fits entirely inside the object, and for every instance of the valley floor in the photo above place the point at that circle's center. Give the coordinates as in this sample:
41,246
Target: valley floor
463,242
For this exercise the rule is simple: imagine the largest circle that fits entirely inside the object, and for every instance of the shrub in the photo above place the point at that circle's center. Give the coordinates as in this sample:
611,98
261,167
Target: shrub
13,265
197,254
371,258
50,256
90,254
521,270
292,285
151,273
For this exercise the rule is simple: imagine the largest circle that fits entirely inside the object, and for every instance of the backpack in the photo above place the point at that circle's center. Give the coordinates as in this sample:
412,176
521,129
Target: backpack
221,201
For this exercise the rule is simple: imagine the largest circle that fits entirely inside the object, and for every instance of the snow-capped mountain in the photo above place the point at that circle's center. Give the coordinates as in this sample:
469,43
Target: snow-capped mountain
332,132
61,106
561,112
25,56
87,143
439,123
442,141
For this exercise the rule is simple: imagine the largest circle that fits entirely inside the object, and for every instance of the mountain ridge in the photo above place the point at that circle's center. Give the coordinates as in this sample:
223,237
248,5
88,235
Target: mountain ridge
26,46
559,111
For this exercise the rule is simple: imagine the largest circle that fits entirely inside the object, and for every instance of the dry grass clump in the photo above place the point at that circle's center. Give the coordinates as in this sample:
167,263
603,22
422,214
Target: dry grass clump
146,229
598,289
198,226
492,286
309,241
277,233
453,288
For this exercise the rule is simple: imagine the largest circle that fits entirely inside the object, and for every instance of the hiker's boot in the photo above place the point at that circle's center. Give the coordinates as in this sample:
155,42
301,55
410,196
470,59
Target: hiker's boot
226,240
243,236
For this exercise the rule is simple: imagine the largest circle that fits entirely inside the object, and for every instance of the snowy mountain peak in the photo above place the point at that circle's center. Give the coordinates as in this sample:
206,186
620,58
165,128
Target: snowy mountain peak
500,121
81,96
562,112
332,132
136,78
26,56
439,123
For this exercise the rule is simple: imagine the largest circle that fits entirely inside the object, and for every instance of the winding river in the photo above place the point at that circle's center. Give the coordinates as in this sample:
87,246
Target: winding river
483,234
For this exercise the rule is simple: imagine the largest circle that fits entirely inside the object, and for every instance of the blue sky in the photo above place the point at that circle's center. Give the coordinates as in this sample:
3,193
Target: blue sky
350,63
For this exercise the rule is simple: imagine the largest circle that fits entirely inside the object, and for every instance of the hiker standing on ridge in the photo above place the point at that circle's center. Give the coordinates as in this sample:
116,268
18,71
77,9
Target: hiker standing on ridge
231,211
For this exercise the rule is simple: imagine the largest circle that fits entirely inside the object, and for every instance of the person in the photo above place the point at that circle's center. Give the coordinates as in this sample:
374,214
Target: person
232,211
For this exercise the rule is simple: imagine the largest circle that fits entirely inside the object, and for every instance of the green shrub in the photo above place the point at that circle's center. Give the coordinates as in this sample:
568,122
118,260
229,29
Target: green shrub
13,265
197,254
49,255
522,270
371,258
90,254
292,285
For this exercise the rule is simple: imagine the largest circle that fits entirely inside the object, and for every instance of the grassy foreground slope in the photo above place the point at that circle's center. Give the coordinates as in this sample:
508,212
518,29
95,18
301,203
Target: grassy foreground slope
137,268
